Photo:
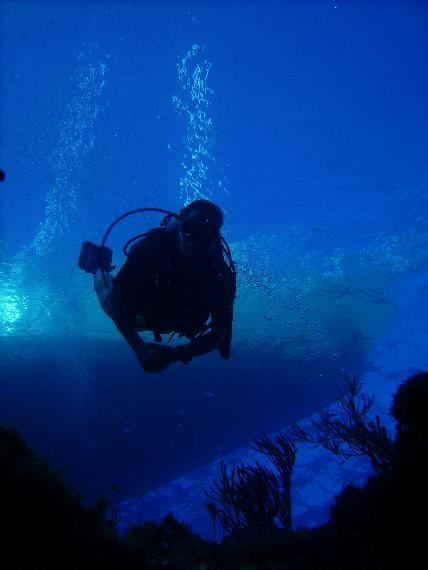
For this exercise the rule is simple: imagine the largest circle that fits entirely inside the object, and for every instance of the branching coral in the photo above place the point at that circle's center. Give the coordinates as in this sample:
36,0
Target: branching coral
252,501
282,455
345,430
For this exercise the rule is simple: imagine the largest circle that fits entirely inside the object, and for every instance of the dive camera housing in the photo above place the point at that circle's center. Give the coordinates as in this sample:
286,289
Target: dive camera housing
93,257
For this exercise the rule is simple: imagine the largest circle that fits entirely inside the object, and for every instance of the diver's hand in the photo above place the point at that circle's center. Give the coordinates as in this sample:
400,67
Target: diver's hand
155,358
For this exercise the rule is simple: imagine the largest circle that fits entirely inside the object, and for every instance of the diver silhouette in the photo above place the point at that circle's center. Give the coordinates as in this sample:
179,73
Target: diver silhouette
175,280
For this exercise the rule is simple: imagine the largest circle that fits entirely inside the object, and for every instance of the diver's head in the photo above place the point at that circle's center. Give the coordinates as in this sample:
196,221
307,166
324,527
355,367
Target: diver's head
201,221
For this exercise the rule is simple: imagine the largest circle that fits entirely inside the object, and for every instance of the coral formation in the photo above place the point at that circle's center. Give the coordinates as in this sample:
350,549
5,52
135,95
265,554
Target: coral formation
252,501
370,528
345,429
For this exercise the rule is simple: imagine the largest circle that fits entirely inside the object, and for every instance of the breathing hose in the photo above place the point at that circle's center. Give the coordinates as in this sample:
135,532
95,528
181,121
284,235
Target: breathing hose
119,219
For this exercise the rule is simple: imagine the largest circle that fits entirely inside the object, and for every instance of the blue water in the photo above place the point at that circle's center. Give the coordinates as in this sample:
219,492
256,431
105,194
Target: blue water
305,121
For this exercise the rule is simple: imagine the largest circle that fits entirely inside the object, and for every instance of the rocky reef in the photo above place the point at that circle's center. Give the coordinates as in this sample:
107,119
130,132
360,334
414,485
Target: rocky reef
46,524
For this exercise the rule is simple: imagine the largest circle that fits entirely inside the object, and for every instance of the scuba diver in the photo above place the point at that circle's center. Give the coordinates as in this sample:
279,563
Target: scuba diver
175,280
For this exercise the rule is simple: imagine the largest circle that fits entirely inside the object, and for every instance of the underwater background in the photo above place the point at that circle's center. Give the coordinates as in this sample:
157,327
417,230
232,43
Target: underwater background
307,122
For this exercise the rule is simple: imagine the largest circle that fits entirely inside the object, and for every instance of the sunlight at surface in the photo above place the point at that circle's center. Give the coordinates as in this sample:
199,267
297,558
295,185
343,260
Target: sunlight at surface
12,308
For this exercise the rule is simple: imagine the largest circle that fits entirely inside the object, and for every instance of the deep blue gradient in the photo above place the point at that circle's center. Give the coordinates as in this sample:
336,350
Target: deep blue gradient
319,160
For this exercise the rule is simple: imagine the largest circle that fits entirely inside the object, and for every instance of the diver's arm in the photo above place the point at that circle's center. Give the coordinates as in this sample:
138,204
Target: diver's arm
152,357
201,345
117,298
220,336
111,304
130,335
150,354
